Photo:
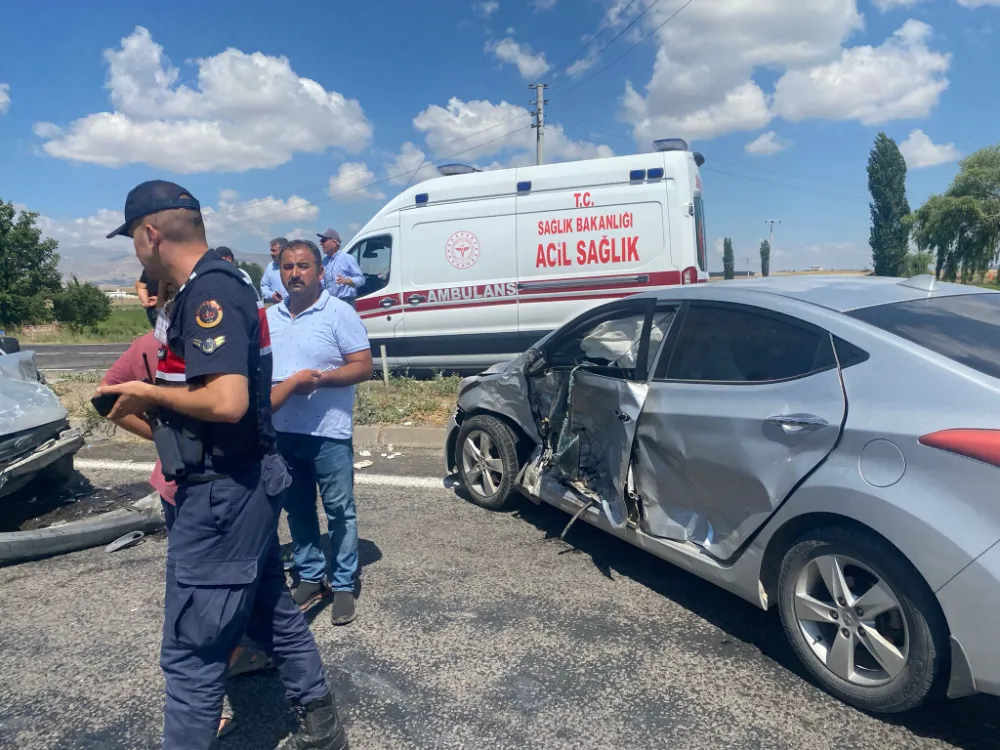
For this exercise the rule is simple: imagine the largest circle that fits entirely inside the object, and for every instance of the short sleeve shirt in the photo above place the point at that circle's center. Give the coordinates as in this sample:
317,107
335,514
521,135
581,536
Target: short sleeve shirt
319,337
213,325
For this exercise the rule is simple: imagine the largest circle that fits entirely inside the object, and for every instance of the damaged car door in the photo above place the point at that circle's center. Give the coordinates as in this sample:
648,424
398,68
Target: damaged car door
745,405
587,394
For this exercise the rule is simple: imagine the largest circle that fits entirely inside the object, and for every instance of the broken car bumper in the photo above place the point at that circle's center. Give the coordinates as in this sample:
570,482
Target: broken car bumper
18,473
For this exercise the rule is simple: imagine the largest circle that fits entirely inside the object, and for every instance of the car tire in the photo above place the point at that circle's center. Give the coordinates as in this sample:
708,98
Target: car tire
910,634
487,477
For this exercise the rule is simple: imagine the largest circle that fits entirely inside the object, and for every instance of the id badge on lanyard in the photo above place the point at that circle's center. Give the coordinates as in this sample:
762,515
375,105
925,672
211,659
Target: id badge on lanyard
162,324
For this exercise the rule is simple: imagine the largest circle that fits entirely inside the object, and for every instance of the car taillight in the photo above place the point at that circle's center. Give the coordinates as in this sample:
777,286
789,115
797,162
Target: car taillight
982,445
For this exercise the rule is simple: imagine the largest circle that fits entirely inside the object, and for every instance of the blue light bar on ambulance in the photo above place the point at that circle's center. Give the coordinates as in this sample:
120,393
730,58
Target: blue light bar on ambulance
656,173
524,187
452,169
670,144
421,198
637,174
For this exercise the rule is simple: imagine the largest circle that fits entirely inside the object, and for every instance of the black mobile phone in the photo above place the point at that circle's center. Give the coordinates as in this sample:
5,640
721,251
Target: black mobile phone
104,403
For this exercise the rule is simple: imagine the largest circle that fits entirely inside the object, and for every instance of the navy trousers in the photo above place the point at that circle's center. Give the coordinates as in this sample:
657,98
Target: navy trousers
224,578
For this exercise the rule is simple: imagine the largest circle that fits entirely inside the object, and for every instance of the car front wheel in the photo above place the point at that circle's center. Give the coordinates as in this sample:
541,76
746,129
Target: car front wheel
487,461
862,621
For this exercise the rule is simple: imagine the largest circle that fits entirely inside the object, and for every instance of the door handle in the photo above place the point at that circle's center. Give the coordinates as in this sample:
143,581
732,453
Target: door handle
797,420
387,302
416,299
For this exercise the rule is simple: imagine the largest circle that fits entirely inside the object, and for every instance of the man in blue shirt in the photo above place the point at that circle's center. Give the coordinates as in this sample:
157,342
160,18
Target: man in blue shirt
271,288
342,274
321,351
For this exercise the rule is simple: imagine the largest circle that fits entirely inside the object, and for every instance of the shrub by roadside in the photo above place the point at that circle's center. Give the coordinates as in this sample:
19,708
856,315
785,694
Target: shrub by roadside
424,403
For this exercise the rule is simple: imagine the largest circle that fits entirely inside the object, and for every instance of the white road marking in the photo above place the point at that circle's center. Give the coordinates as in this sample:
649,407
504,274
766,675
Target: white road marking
360,479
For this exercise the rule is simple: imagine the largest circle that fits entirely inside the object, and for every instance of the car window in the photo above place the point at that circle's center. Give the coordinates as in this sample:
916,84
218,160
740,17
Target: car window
662,320
736,344
613,342
963,328
374,255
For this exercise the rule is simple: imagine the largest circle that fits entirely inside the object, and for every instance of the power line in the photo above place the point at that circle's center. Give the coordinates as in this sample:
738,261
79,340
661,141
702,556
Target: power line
561,66
670,18
386,179
819,191
354,175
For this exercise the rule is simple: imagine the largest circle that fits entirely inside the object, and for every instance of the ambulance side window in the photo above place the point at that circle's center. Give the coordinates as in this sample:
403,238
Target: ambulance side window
699,228
373,255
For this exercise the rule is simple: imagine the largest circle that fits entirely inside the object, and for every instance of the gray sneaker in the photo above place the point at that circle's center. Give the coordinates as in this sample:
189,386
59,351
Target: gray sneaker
343,608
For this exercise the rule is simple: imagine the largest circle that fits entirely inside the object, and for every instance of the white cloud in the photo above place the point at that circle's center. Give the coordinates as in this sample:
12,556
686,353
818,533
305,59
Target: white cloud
887,5
920,151
978,3
4,97
544,4
767,144
529,63
702,82
582,66
481,129
411,159
696,92
248,111
255,216
46,129
353,183
488,8
902,78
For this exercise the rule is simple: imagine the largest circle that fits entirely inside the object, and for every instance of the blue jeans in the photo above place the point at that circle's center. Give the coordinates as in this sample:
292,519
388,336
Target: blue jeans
329,463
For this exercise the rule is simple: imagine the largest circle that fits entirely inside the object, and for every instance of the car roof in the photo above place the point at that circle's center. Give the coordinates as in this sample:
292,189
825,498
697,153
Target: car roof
834,292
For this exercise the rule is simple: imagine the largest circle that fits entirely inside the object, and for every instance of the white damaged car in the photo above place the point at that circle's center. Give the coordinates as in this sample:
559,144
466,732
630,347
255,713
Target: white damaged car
36,439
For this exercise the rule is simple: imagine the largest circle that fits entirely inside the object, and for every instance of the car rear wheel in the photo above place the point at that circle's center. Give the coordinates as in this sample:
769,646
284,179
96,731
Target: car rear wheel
862,621
487,461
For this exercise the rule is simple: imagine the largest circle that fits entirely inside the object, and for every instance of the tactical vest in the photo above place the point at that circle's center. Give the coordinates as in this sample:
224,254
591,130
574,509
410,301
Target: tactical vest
225,446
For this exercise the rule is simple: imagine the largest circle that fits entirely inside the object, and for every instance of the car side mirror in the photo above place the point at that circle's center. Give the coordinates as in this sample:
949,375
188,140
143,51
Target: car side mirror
534,362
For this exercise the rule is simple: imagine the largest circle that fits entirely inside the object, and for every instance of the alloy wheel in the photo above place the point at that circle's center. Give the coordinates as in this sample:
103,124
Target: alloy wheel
851,620
482,464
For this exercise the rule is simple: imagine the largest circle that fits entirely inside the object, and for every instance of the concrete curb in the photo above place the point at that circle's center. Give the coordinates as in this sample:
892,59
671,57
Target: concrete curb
402,437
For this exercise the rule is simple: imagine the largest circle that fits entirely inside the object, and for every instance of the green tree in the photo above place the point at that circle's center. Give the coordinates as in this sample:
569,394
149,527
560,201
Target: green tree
961,227
765,258
29,269
918,263
254,271
81,305
728,259
889,207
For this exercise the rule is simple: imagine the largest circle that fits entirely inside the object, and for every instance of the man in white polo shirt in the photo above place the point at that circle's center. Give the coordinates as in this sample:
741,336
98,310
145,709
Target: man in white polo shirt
321,351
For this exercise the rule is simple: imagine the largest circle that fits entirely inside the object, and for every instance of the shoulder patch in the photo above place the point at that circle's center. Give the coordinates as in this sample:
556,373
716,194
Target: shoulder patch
209,345
209,314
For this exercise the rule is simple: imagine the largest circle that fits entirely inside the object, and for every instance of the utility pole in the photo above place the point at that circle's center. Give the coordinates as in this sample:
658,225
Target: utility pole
748,266
770,239
539,124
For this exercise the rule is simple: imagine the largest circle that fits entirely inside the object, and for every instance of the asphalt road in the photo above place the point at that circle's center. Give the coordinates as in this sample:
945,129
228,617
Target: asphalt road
475,630
76,357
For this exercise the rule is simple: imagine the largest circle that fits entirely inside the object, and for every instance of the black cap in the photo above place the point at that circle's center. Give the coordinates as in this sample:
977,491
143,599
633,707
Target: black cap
152,197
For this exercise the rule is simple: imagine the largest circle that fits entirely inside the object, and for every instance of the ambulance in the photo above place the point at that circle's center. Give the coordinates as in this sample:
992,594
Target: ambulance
471,268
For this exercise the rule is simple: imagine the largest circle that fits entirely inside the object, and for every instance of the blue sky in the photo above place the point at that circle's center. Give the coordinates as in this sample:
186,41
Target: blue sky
286,121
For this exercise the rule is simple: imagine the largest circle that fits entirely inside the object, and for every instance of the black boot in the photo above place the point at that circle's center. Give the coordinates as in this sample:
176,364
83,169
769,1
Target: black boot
319,728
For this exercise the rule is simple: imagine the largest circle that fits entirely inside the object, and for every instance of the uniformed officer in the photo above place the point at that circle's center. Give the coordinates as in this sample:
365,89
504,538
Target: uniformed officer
224,574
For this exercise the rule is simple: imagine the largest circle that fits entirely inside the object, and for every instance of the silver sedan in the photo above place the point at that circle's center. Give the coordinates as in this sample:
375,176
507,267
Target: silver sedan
826,445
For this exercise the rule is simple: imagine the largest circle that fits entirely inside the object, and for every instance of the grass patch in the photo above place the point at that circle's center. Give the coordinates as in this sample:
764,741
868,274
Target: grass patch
126,323
74,391
425,403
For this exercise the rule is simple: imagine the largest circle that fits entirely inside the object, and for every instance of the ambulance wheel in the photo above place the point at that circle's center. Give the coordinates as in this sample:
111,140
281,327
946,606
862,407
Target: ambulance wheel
487,462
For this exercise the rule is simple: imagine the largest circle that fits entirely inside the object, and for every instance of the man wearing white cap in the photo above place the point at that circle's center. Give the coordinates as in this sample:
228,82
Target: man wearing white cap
341,272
